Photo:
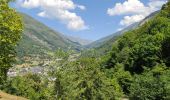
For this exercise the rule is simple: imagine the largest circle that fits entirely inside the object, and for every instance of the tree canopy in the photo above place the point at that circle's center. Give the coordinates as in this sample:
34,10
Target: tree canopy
10,33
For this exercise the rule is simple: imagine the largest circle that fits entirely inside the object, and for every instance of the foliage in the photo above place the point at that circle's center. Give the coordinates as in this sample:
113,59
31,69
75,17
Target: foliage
136,67
147,87
83,79
144,53
10,34
30,86
143,47
61,54
151,86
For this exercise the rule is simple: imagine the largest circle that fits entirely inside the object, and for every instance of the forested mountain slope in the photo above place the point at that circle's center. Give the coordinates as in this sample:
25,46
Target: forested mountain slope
148,44
104,45
137,67
112,37
38,38
145,54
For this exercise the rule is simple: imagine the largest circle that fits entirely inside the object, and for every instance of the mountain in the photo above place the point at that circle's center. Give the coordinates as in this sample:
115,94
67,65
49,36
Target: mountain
111,37
148,17
79,40
105,44
38,38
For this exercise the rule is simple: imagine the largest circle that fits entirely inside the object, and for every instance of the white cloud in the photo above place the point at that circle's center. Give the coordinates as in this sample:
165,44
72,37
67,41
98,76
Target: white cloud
58,9
30,3
128,20
156,4
128,7
134,10
81,7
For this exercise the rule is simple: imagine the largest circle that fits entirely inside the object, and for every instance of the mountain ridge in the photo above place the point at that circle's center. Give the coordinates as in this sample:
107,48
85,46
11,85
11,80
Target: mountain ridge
103,45
39,38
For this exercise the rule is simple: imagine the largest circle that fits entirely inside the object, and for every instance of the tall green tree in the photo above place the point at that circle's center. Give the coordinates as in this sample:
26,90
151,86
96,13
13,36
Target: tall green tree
10,33
84,80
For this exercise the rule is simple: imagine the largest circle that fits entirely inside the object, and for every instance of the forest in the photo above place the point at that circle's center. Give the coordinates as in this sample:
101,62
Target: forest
137,67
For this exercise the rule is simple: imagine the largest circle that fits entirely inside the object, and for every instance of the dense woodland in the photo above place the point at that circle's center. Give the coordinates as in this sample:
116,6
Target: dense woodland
137,67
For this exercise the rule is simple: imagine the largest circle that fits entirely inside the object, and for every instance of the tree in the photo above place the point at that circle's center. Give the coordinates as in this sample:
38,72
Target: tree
10,33
147,87
30,86
166,51
83,79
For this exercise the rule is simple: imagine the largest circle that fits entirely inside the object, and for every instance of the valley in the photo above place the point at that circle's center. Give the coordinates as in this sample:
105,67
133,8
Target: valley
38,63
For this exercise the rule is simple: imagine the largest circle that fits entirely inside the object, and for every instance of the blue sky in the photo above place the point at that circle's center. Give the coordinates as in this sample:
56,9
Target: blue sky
88,19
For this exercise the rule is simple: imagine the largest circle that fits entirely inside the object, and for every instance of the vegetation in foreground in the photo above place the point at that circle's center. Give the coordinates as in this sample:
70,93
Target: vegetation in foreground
10,34
137,68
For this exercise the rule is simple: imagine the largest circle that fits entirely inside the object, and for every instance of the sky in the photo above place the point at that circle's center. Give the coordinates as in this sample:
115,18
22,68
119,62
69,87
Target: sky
88,19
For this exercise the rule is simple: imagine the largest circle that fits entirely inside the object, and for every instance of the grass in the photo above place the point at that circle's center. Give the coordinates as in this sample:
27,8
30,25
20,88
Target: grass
5,96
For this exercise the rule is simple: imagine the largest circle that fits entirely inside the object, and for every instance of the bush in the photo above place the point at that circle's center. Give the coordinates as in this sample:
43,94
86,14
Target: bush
148,87
83,79
29,86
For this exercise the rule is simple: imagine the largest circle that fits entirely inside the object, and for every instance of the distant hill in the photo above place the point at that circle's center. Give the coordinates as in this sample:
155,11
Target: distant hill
105,44
79,40
111,37
38,38
148,17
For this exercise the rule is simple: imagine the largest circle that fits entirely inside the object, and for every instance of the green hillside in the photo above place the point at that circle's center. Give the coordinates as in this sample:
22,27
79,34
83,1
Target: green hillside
146,46
104,45
111,37
144,53
38,38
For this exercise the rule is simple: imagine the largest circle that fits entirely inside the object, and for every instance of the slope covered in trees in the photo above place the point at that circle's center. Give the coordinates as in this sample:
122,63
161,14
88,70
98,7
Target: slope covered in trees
144,53
137,66
146,46
104,45
39,39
